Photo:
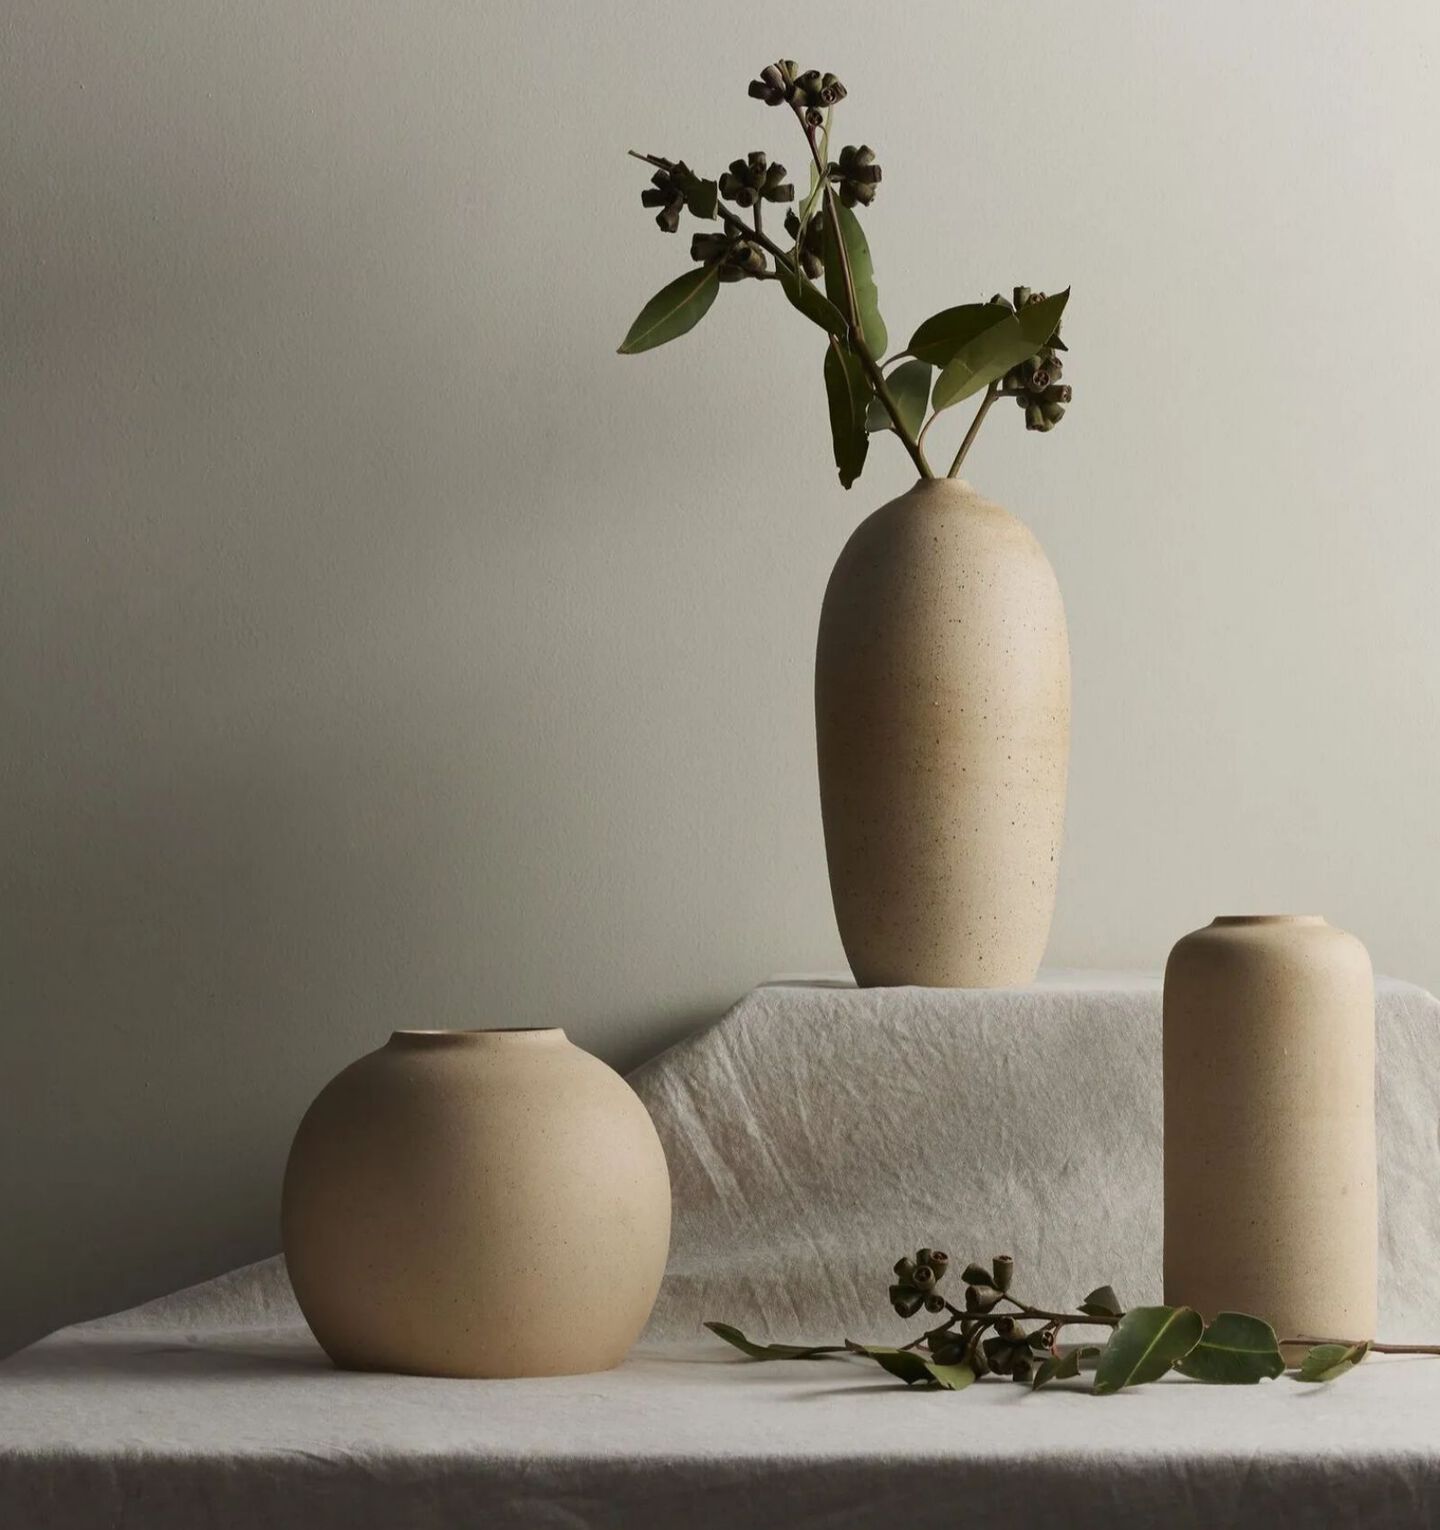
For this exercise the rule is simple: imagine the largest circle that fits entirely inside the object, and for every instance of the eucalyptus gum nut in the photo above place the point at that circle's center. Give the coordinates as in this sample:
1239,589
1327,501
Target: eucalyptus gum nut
923,1278
1003,1270
935,1303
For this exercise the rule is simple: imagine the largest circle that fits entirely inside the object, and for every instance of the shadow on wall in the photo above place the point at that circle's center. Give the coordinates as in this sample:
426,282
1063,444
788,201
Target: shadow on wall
231,810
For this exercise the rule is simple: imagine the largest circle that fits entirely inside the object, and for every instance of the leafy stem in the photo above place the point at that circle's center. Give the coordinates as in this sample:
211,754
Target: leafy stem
991,394
857,335
1144,1343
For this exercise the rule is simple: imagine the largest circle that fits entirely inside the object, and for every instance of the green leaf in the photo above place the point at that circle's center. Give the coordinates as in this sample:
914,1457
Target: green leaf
813,303
904,1363
1329,1362
1062,1367
673,310
909,386
1102,1302
772,1351
1147,1341
841,223
940,337
1234,1350
848,390
954,1378
911,1367
991,354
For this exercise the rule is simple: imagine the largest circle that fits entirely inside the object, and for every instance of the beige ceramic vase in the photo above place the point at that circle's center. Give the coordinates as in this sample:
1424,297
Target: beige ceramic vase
477,1203
942,714
1270,1125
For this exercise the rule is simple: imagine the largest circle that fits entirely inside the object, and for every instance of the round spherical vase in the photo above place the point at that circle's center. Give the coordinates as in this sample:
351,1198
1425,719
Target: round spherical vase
942,714
477,1203
1269,1061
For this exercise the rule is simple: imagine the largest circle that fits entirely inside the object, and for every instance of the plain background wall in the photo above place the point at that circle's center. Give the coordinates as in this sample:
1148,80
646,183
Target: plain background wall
378,648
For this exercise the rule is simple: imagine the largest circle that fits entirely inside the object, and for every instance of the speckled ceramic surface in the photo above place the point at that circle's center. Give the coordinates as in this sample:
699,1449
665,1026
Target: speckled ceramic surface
477,1203
942,710
1270,1202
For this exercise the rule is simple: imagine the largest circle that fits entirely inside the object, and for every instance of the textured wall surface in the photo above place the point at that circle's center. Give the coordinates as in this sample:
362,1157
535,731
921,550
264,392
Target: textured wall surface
377,647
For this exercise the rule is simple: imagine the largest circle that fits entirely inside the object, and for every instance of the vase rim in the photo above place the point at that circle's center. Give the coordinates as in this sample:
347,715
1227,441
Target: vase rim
504,1035
931,484
1234,919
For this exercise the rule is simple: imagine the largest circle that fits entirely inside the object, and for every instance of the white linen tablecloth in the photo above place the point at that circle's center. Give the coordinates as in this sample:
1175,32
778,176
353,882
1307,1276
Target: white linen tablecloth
814,1134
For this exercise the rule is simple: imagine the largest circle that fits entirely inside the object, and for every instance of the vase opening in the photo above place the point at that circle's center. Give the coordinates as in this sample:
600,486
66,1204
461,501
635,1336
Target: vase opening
1233,919
509,1035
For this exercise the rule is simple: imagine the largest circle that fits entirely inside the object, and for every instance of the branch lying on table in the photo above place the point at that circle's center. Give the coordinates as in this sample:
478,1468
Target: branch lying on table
995,1333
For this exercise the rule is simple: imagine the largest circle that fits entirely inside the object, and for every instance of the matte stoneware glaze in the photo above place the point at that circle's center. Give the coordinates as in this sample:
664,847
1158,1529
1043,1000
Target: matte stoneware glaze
942,712
1269,1049
477,1203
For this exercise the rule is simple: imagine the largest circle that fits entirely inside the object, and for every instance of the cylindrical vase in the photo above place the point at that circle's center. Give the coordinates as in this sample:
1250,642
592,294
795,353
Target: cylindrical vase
1269,1059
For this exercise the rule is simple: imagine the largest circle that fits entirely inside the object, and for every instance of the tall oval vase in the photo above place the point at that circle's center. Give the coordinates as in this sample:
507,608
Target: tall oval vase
942,712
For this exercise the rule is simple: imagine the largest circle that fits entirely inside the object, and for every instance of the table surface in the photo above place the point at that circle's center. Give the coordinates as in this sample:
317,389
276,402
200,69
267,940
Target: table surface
255,1428
214,1407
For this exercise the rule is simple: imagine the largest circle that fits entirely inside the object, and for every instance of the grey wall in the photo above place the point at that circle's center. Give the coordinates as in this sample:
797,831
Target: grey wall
377,647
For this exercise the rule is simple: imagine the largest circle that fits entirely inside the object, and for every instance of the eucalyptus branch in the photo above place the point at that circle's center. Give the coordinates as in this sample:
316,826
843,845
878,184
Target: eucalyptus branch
1144,1343
1016,345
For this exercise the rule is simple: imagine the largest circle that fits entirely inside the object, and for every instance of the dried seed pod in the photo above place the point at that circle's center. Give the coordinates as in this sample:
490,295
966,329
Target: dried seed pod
948,1352
771,87
939,1261
667,192
812,247
735,255
905,1300
856,175
708,247
905,1268
924,1277
749,179
980,1298
934,1303
1002,1267
1005,1326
